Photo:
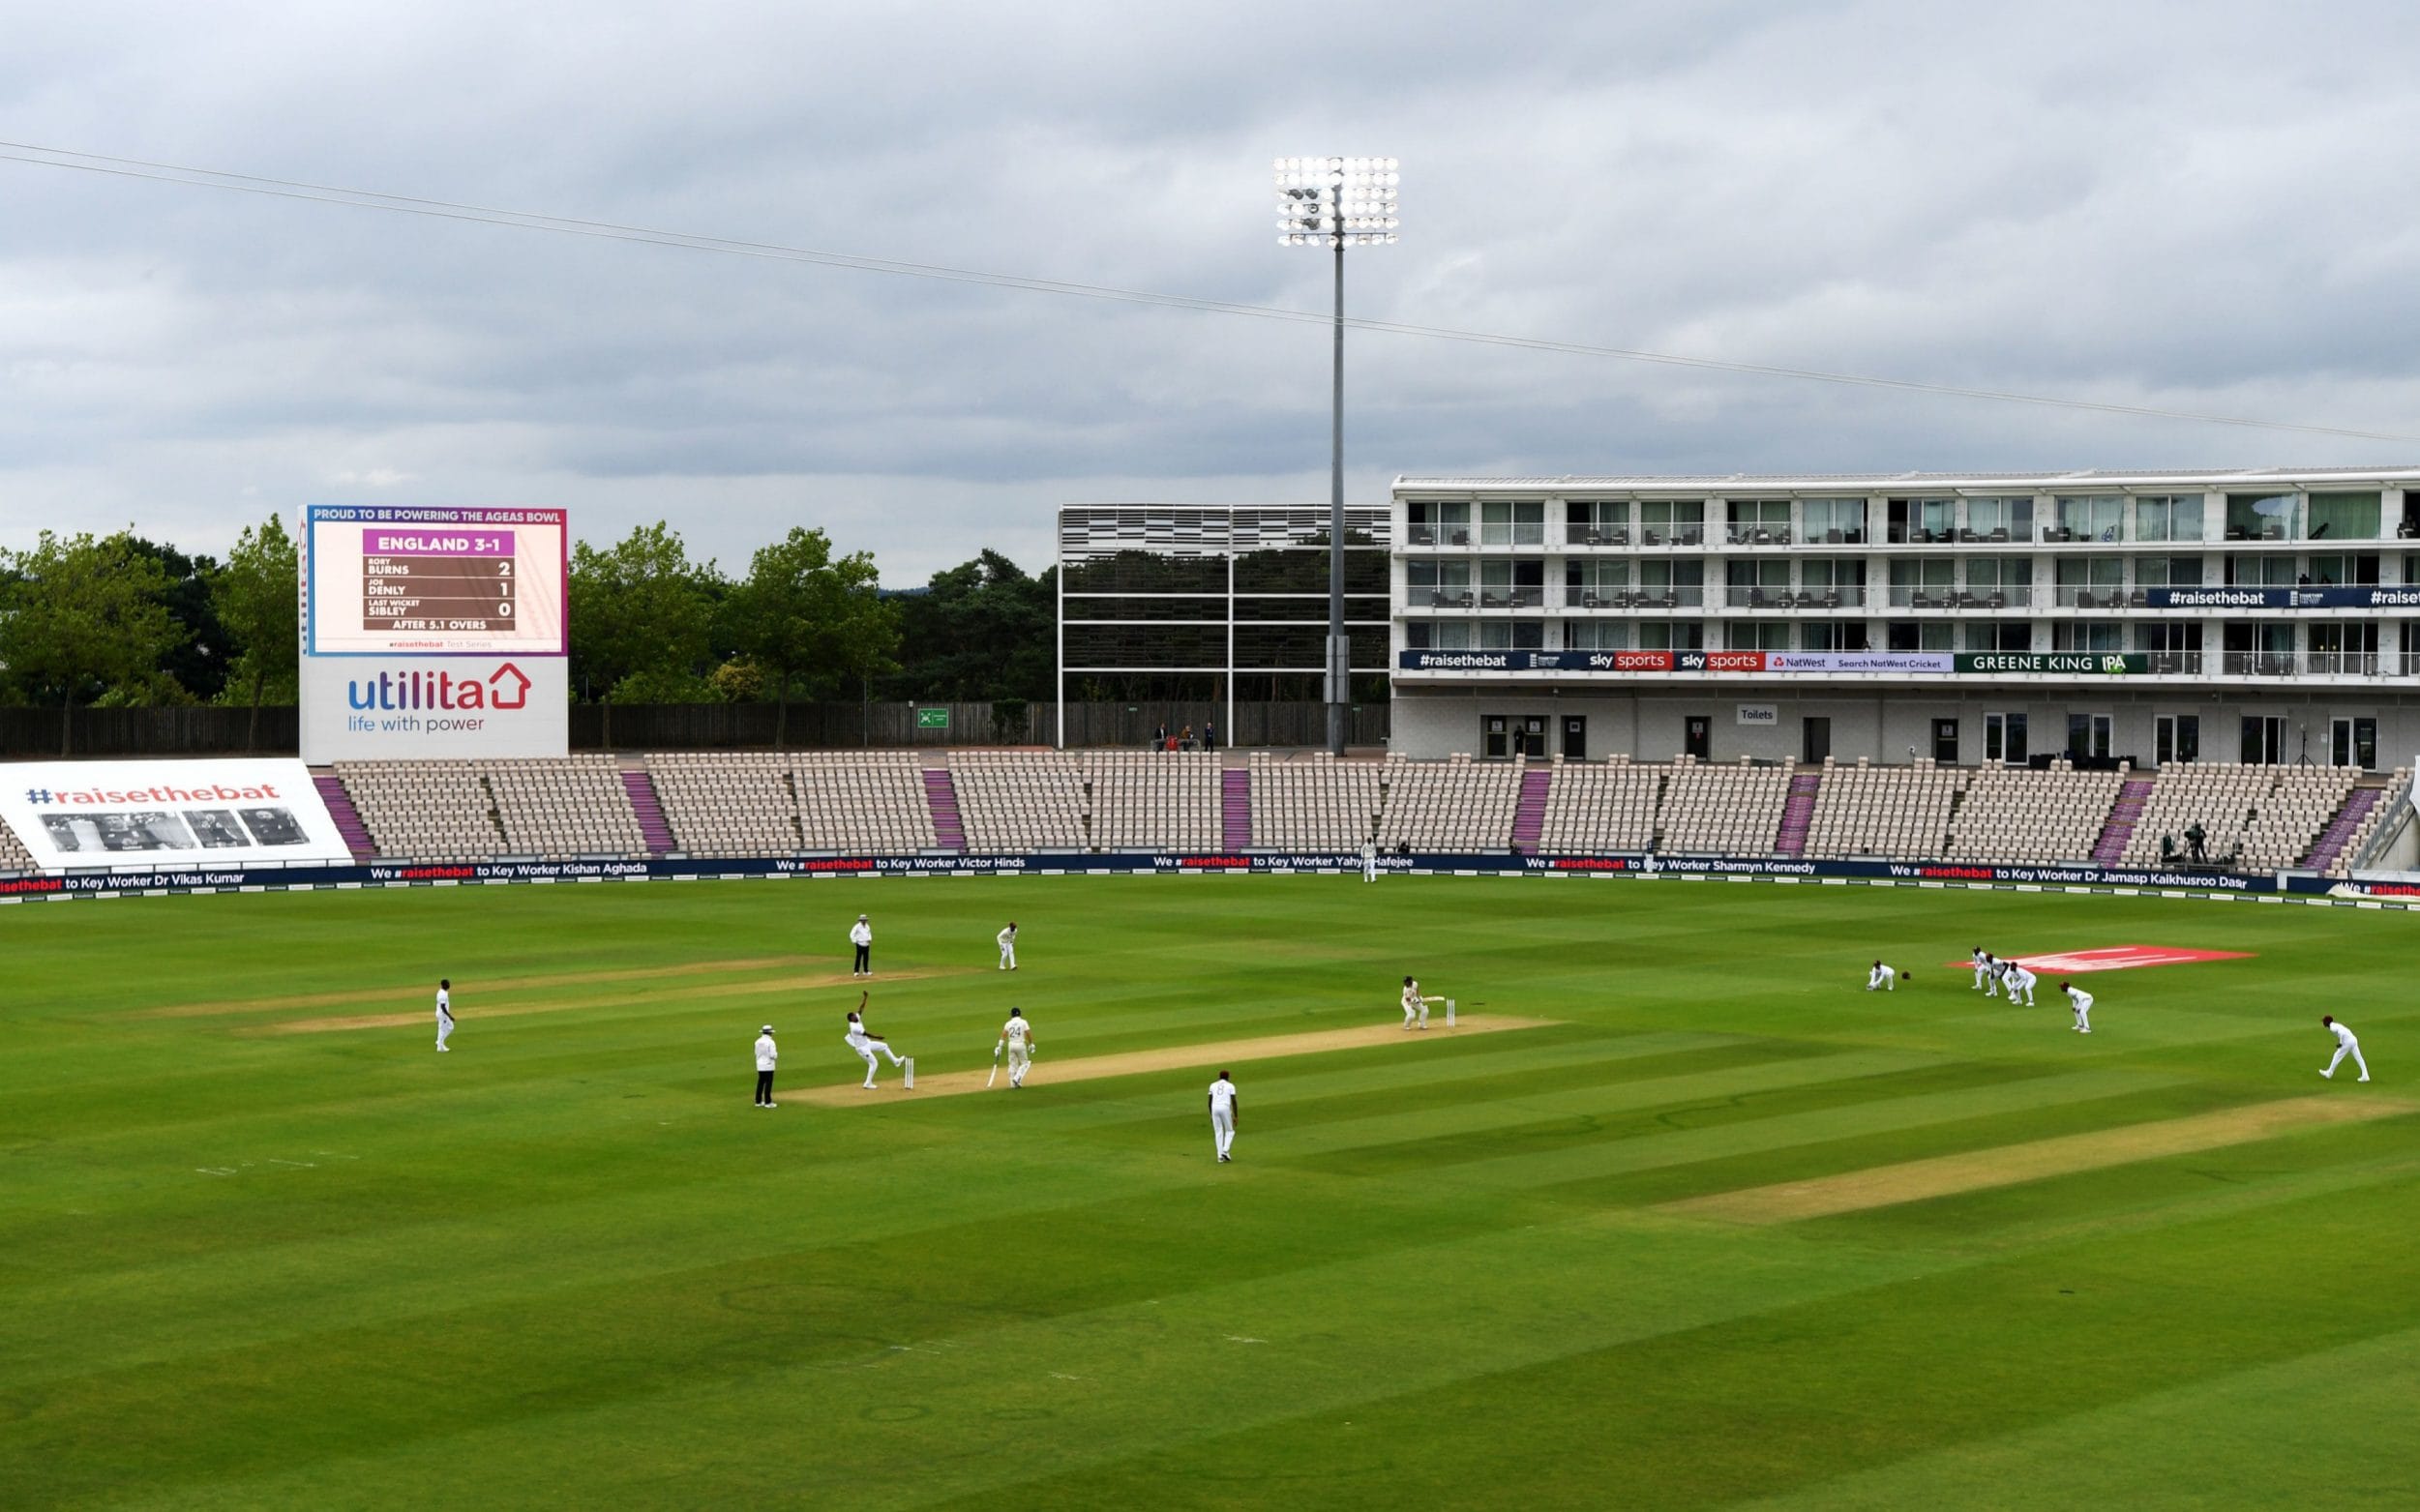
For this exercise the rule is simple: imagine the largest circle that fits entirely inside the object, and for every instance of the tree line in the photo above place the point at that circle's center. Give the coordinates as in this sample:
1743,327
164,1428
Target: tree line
119,620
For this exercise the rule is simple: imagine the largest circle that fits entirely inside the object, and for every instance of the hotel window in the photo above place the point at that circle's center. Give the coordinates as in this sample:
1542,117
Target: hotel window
1834,521
1512,584
2097,516
2004,738
1597,635
1752,634
2261,517
1757,584
2089,635
2000,634
1909,634
1923,522
1434,523
2167,571
1435,583
2332,571
1760,521
1598,523
2008,578
1512,635
1672,522
2167,517
1832,634
1924,582
2260,572
1672,634
1585,578
2344,516
1437,634
2086,583
1683,583
1830,577
1513,523
1996,520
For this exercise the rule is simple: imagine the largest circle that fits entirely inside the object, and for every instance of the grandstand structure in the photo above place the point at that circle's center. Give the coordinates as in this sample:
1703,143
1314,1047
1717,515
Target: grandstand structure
2251,817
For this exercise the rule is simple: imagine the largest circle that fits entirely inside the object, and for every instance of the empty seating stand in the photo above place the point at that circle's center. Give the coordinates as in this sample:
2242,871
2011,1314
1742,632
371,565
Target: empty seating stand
13,856
1897,811
1313,803
861,802
1154,800
1453,805
2018,814
425,811
1021,800
1724,810
721,803
565,810
1600,807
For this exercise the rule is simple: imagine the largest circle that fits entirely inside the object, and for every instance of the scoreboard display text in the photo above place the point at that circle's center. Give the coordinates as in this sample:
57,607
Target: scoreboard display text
435,581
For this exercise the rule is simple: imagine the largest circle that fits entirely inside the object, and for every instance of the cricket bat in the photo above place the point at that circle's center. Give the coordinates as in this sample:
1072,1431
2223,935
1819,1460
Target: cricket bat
994,1076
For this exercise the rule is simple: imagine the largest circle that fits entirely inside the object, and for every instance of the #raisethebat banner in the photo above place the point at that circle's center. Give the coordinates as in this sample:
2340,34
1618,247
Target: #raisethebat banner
142,815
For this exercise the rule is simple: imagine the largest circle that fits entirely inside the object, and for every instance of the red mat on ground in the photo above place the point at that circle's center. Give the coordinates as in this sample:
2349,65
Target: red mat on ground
2111,957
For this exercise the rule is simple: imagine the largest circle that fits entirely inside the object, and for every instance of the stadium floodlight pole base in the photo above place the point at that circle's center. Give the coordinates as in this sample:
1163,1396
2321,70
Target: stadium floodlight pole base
1449,1012
911,1068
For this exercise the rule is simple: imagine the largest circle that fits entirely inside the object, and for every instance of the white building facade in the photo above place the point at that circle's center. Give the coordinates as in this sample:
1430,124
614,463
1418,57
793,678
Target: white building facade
2266,616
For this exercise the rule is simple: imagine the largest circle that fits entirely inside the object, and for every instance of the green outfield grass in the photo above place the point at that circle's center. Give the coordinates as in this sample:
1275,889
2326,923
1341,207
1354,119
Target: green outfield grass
570,1266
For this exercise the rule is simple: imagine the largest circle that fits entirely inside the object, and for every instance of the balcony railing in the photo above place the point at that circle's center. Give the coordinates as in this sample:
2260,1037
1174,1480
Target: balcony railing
1596,535
2258,664
2071,596
1687,598
2348,664
1987,599
1756,598
1758,535
1486,598
1440,535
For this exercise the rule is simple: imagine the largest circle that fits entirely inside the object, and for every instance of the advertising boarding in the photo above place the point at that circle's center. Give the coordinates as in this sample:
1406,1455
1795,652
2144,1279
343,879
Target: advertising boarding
74,815
435,634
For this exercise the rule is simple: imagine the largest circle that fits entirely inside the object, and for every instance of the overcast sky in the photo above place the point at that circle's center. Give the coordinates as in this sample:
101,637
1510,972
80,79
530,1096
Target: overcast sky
2202,206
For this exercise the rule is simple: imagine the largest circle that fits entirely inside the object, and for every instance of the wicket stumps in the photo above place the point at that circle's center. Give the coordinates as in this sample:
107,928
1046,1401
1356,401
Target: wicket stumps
909,1067
1449,1012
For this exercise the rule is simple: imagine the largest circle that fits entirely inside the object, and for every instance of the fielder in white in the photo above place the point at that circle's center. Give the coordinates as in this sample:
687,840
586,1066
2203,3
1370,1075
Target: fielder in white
2082,1001
1414,1006
1007,938
1018,1036
1983,967
1882,976
1222,1109
2022,979
867,1045
1369,863
2346,1045
445,1010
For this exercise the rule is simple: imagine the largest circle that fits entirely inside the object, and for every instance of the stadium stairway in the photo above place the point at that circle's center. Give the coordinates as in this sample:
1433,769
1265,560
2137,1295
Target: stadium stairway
340,806
2342,828
654,827
1528,813
1235,808
1798,815
941,796
2111,848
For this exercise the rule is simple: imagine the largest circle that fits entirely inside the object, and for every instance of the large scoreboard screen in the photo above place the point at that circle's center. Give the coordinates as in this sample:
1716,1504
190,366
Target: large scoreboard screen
435,581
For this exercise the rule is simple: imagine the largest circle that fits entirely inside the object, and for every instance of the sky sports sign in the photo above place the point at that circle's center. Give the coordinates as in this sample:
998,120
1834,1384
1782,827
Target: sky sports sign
1945,663
79,814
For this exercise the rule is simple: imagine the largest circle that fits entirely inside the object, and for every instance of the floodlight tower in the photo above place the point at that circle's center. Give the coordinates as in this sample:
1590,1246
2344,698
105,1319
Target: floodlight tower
1336,202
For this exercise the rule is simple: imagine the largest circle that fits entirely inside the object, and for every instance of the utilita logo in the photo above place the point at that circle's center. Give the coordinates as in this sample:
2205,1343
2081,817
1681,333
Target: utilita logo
505,688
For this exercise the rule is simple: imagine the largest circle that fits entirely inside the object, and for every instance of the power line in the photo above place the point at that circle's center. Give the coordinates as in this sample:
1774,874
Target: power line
609,230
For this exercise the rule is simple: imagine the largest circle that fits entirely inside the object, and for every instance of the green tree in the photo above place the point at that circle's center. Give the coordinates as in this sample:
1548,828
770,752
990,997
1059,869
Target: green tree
642,620
256,599
812,624
982,630
195,670
86,620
